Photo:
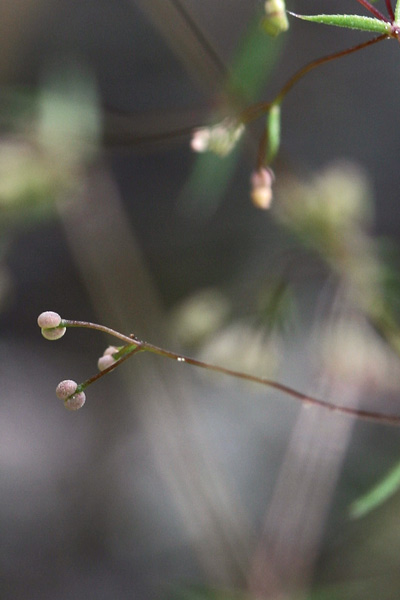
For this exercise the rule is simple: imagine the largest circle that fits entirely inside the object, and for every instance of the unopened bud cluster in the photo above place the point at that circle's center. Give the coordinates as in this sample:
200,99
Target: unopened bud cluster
66,391
220,138
107,359
52,329
50,322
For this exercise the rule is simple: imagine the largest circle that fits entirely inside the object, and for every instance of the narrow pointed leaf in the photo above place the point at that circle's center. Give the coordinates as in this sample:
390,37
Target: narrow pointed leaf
379,494
273,131
349,21
397,11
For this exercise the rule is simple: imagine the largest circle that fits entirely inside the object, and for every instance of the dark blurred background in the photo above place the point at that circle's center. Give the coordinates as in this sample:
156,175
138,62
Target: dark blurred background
172,483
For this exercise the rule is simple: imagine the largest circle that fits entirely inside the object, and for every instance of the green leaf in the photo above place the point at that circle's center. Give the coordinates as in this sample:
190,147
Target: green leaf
349,21
379,494
397,11
253,62
274,131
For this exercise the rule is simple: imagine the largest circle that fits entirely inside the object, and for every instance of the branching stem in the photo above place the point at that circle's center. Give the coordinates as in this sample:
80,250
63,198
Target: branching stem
305,399
257,110
390,10
377,13
82,386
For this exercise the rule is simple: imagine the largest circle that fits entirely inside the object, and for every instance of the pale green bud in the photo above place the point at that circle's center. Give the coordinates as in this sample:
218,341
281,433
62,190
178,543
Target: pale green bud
275,21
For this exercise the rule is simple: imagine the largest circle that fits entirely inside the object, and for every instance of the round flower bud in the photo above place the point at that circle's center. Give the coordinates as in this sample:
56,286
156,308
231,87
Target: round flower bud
276,20
54,334
105,361
261,188
200,139
76,401
66,388
48,319
261,197
264,177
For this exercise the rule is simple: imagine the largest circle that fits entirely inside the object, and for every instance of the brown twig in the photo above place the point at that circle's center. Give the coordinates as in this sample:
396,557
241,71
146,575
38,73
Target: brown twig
305,399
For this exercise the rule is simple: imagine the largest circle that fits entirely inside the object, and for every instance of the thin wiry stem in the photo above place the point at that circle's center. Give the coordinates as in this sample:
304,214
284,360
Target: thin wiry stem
97,327
85,384
377,13
305,399
201,37
257,110
390,9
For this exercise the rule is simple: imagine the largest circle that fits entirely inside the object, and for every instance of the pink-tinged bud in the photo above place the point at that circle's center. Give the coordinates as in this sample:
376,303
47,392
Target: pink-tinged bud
65,391
200,139
264,177
105,361
220,138
261,188
66,388
48,319
75,402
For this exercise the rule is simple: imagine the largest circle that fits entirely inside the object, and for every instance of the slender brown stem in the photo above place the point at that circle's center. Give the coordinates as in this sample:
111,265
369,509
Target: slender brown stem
305,399
320,61
374,10
103,328
257,110
127,139
262,147
390,10
198,33
85,384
